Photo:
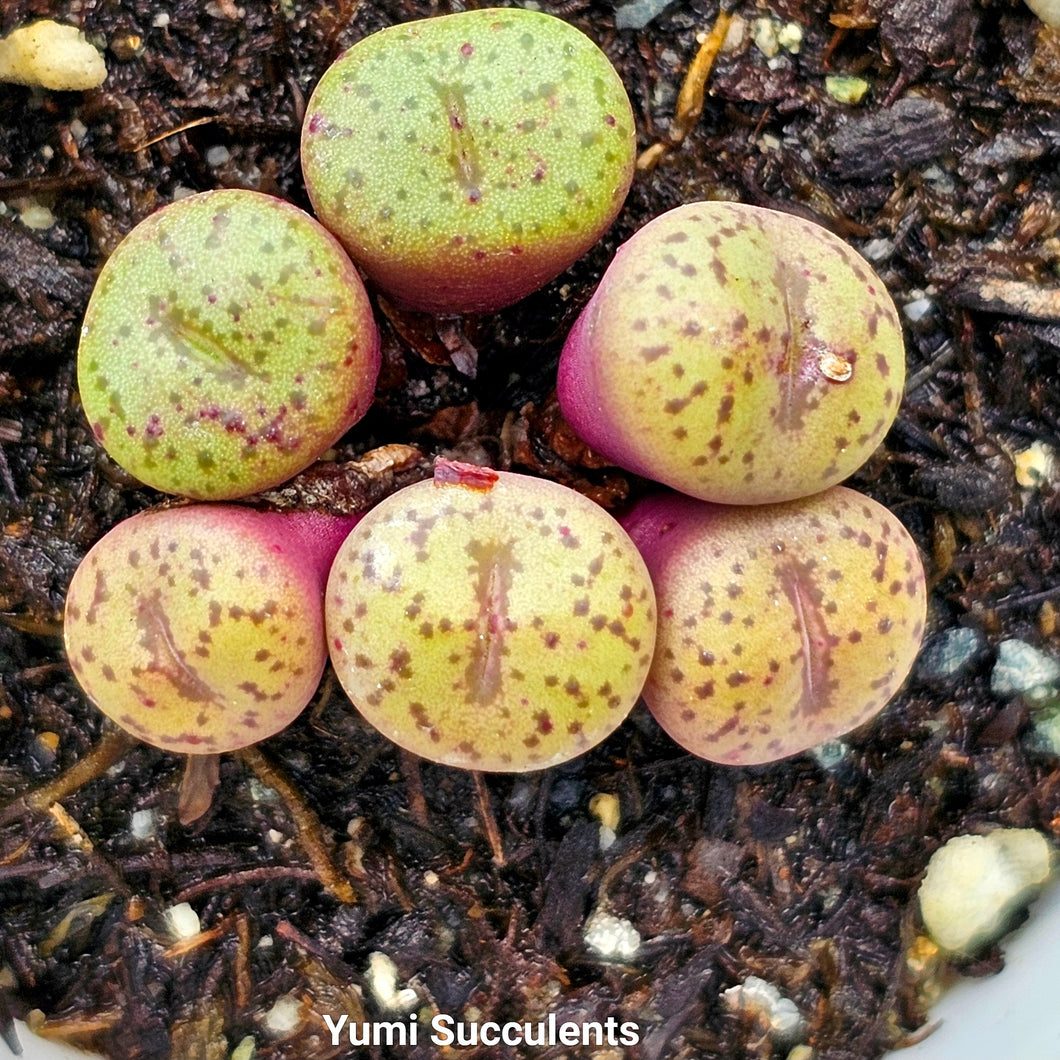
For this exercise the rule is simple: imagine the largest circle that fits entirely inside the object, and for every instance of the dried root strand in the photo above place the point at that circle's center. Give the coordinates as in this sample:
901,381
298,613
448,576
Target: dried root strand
310,833
693,91
111,749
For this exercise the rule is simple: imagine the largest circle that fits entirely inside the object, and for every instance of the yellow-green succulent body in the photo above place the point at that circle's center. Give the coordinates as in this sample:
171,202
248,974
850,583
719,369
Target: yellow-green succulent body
227,344
737,354
197,629
466,160
780,626
490,620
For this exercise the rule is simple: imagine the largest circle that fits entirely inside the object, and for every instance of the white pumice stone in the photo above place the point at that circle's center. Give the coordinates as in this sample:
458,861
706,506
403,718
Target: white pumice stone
611,937
974,883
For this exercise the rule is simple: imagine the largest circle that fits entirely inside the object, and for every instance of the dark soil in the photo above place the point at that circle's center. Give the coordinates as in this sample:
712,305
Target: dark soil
946,175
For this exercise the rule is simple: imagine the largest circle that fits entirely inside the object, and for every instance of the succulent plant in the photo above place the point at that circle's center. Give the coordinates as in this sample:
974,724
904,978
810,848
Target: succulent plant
466,160
200,629
737,354
227,344
490,620
780,626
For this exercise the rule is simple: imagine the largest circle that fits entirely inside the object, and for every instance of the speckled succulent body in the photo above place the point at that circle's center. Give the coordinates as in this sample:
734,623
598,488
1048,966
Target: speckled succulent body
200,629
780,626
468,159
227,344
737,354
491,620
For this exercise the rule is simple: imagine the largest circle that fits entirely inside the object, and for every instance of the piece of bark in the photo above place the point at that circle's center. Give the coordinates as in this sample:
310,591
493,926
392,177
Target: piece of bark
893,139
42,296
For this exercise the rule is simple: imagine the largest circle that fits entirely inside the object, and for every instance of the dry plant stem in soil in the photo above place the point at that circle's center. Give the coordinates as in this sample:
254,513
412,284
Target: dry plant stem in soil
114,745
310,833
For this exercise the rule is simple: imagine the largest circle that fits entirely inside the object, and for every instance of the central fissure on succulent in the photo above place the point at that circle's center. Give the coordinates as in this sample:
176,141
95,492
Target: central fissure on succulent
492,568
796,386
197,341
156,636
796,581
464,155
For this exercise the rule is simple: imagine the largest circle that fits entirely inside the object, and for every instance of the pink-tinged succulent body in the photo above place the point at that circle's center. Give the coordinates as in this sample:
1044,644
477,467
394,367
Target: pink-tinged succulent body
737,354
466,160
227,344
200,629
780,626
491,620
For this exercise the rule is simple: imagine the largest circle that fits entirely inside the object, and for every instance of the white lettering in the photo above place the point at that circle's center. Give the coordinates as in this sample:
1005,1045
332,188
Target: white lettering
528,1034
392,1031
446,1031
335,1028
442,1030
570,1034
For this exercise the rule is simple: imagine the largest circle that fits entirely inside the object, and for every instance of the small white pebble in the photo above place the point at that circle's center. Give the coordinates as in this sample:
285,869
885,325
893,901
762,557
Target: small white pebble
78,130
275,836
917,309
161,20
878,249
37,217
51,55
607,837
182,921
144,824
1047,728
735,36
430,879
846,89
789,37
266,942
611,937
974,883
776,1015
606,808
245,1049
284,1018
217,155
764,34
1035,466
1022,669
382,979
831,754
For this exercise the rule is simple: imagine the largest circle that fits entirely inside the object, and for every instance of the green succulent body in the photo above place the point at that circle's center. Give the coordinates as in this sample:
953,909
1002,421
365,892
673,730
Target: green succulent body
468,159
737,354
227,344
782,625
197,629
490,620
